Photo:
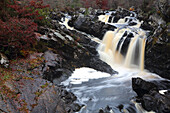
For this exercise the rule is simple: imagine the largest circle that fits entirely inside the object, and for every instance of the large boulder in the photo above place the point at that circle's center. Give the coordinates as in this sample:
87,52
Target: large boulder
90,25
53,68
142,87
69,50
149,96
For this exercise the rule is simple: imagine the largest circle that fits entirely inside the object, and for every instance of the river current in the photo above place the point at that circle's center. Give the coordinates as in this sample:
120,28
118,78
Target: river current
96,89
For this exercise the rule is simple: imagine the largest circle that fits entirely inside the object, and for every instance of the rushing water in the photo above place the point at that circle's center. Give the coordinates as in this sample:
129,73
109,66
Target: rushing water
111,90
124,54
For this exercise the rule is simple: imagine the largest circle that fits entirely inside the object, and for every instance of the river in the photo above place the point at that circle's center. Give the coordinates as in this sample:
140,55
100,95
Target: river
96,89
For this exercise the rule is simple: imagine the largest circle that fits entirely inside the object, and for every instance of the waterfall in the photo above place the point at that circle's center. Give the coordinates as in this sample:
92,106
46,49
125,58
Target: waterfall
65,22
104,18
125,45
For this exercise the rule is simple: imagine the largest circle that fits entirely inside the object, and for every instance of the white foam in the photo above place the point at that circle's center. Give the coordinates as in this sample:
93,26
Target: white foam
162,91
84,74
65,23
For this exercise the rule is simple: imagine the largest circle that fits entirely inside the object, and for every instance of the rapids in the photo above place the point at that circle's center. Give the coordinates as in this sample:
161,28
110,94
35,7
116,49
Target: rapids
123,49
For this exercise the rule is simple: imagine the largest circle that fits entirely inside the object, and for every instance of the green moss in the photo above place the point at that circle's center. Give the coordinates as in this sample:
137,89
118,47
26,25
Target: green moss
44,86
86,12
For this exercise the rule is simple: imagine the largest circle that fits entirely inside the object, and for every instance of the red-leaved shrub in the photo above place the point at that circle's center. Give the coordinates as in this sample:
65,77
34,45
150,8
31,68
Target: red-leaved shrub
17,25
17,34
102,4
28,9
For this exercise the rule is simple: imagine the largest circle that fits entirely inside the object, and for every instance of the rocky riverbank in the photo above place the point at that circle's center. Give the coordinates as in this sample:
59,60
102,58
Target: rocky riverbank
32,84
152,95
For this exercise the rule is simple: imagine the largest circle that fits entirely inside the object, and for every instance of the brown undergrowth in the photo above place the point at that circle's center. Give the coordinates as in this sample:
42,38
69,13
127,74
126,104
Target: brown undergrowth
13,79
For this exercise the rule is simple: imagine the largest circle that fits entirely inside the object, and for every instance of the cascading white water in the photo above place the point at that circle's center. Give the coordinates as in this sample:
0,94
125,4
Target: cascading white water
108,48
65,22
96,89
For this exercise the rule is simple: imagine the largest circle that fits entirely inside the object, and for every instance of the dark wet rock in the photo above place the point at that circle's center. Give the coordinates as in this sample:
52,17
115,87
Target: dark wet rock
68,97
126,43
99,12
119,109
146,26
158,55
162,84
142,87
43,30
163,7
86,25
57,15
149,96
156,102
100,65
68,53
121,13
158,44
132,23
52,68
75,107
106,110
101,111
90,26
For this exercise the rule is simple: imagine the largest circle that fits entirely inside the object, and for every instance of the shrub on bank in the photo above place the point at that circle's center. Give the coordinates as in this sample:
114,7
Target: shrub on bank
18,22
17,34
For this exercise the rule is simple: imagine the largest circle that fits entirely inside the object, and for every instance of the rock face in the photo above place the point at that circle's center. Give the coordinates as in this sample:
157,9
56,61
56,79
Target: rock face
157,60
158,44
28,92
90,24
149,96
163,7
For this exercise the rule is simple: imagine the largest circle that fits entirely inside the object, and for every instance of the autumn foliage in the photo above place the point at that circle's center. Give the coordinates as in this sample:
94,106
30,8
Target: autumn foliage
17,25
102,4
28,9
17,33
